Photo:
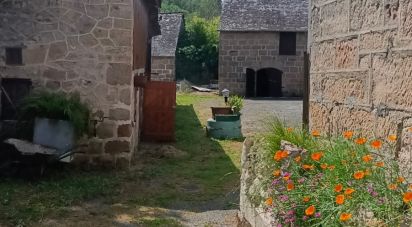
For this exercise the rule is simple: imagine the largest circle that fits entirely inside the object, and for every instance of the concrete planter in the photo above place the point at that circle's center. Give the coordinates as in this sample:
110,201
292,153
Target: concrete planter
57,134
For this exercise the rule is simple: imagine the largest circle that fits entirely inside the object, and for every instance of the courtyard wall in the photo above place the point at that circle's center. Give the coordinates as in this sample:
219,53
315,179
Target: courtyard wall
361,69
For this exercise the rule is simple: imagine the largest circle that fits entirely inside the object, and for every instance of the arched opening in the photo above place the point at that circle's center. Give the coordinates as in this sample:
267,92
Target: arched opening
269,83
250,83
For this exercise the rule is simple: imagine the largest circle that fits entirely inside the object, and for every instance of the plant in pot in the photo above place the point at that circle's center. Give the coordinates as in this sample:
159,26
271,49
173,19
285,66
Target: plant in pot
59,119
236,104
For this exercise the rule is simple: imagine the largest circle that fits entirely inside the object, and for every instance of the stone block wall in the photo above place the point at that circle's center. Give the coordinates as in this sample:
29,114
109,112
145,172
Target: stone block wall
79,46
163,68
256,50
361,68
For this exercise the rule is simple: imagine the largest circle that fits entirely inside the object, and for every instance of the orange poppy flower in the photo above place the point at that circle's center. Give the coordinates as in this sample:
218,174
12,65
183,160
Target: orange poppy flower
348,134
306,199
376,144
345,216
308,167
410,187
279,155
289,129
392,138
340,199
349,191
269,201
332,167
276,173
324,166
298,158
290,186
380,164
400,180
317,156
338,188
407,197
367,158
359,175
315,133
360,141
392,186
286,178
310,210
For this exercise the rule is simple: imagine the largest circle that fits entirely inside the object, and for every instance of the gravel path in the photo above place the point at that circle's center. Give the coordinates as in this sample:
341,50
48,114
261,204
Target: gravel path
256,113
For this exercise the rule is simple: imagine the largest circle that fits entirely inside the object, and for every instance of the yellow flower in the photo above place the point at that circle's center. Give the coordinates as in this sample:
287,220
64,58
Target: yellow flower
392,186
315,133
298,158
276,173
392,138
269,201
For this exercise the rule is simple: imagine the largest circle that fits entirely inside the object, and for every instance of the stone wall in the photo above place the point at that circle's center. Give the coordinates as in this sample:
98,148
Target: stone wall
256,50
163,68
79,46
361,68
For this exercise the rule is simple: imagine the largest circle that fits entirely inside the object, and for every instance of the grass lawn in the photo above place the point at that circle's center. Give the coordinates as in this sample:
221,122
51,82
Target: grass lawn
205,177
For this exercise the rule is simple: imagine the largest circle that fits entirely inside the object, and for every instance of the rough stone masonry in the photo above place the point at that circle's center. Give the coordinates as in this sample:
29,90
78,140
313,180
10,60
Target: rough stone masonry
361,69
78,46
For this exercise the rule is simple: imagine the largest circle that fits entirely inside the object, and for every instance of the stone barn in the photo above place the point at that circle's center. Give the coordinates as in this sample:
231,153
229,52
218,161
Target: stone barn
96,48
361,69
164,47
262,45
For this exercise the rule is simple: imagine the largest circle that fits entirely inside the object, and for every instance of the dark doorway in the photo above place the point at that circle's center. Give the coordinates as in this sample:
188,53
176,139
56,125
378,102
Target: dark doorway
269,83
12,93
250,83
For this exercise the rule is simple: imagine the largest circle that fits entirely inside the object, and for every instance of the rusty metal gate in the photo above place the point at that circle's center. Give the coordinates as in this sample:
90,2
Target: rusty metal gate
159,106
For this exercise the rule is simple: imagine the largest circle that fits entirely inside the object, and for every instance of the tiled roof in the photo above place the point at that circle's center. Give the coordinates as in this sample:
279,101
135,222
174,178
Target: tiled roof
166,43
264,15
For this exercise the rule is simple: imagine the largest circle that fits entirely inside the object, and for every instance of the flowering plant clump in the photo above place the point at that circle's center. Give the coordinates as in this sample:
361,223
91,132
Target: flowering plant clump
336,181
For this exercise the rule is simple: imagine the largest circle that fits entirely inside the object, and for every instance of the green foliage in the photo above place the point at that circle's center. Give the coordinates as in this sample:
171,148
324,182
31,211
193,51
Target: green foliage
236,103
203,8
45,104
316,177
198,50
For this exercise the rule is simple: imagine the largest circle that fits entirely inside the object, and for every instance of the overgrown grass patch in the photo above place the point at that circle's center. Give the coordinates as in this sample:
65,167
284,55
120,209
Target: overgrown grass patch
23,202
339,181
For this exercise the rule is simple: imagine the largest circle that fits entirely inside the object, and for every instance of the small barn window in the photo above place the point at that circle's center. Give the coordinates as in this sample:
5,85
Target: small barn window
14,56
287,43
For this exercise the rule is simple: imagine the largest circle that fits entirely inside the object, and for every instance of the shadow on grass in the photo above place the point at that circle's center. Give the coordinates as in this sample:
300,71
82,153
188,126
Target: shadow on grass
204,178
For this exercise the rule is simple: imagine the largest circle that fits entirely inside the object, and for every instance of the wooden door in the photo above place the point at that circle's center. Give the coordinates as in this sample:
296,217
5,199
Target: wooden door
12,92
159,106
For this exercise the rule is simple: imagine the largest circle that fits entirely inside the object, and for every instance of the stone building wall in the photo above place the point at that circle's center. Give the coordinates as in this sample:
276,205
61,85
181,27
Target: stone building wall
163,68
256,50
78,46
361,68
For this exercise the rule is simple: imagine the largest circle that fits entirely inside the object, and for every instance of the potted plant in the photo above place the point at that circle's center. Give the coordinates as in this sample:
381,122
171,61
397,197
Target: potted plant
236,104
59,119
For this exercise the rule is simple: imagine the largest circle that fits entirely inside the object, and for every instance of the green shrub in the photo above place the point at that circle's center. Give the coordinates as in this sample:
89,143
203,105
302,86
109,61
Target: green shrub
347,180
59,106
236,103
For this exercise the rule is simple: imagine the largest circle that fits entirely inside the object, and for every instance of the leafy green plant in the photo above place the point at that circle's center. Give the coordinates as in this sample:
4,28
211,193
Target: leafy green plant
348,180
59,106
236,103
